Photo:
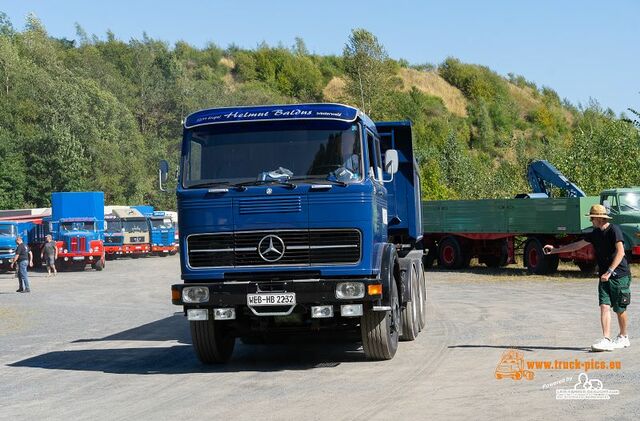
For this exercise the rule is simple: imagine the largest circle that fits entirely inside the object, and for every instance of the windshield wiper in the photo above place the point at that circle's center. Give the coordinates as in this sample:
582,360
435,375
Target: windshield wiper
323,179
209,184
261,182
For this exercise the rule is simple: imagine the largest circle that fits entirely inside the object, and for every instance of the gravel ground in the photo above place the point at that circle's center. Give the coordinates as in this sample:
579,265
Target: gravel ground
109,345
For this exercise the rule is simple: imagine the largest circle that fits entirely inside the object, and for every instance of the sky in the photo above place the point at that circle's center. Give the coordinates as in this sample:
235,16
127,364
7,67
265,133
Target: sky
582,49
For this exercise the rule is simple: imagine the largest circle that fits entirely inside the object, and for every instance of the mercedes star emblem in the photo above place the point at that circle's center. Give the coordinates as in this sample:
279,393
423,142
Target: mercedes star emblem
271,248
269,190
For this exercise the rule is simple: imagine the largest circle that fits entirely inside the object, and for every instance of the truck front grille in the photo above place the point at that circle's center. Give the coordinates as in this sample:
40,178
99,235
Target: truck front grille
275,248
108,239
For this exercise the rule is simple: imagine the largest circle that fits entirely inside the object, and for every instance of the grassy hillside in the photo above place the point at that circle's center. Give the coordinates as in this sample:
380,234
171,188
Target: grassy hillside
98,113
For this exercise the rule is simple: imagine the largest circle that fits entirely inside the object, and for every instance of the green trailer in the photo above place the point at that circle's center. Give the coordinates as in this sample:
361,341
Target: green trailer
493,229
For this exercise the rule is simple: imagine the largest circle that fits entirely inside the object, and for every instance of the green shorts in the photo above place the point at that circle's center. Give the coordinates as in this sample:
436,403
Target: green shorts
616,293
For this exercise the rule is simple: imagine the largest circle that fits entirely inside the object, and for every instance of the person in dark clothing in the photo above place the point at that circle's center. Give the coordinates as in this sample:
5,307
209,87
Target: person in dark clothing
615,277
23,258
49,255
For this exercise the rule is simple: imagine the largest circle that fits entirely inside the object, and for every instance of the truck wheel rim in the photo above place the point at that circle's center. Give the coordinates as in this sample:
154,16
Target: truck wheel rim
448,254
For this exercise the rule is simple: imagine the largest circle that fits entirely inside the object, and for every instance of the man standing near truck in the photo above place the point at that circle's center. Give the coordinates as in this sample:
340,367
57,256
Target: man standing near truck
23,257
49,255
615,276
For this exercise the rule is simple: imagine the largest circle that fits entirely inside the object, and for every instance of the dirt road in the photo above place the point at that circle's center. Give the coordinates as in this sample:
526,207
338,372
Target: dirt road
108,345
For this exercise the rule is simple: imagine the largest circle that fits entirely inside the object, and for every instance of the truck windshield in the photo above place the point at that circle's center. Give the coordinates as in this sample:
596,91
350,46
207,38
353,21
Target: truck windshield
296,150
78,226
135,226
630,202
8,230
113,225
161,223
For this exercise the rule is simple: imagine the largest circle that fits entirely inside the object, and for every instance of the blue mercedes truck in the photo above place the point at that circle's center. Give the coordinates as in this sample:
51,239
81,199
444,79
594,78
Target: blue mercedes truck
298,218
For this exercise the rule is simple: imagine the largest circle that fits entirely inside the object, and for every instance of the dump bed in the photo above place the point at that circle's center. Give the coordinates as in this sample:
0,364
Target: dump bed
512,216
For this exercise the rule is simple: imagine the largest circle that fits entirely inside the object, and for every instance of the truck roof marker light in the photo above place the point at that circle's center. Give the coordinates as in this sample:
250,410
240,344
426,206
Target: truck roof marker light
374,289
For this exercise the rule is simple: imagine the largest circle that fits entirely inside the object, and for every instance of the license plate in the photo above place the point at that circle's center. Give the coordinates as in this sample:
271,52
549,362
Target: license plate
279,299
78,258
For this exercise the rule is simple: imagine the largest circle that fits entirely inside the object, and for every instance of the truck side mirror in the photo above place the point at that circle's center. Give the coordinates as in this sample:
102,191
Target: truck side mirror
163,172
390,163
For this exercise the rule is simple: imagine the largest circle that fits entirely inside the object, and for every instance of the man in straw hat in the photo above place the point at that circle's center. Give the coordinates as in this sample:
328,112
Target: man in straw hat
615,276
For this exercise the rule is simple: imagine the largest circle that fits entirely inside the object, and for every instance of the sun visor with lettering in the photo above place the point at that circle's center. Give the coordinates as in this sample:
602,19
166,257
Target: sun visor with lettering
272,113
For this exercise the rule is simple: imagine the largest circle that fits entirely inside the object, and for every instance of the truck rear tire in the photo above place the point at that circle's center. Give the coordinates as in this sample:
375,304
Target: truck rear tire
422,288
451,254
410,314
379,329
213,345
536,261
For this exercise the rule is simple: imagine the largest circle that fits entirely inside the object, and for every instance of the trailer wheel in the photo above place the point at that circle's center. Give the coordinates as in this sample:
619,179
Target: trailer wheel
422,288
587,267
410,314
379,329
536,261
450,254
213,345
498,261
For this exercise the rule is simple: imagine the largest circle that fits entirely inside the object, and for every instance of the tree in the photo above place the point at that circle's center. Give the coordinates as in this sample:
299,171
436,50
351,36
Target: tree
369,71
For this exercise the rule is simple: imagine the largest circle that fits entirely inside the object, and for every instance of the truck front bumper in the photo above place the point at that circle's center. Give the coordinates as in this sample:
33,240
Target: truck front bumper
136,249
307,292
164,249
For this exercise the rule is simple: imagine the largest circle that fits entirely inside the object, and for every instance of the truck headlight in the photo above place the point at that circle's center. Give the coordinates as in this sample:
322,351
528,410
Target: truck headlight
349,290
195,294
65,251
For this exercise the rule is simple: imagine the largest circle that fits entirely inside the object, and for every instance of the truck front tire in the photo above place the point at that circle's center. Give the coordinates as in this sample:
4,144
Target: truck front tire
99,265
379,329
213,345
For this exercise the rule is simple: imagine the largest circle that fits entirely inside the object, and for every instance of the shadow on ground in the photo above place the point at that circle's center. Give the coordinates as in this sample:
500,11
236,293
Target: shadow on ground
525,347
302,353
516,272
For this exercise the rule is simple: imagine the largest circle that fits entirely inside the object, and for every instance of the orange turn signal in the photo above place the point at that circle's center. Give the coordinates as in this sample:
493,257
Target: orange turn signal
175,295
375,289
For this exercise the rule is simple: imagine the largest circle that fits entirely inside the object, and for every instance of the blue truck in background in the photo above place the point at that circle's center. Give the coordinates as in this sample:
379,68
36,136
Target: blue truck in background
161,231
113,237
291,221
77,226
8,234
162,234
